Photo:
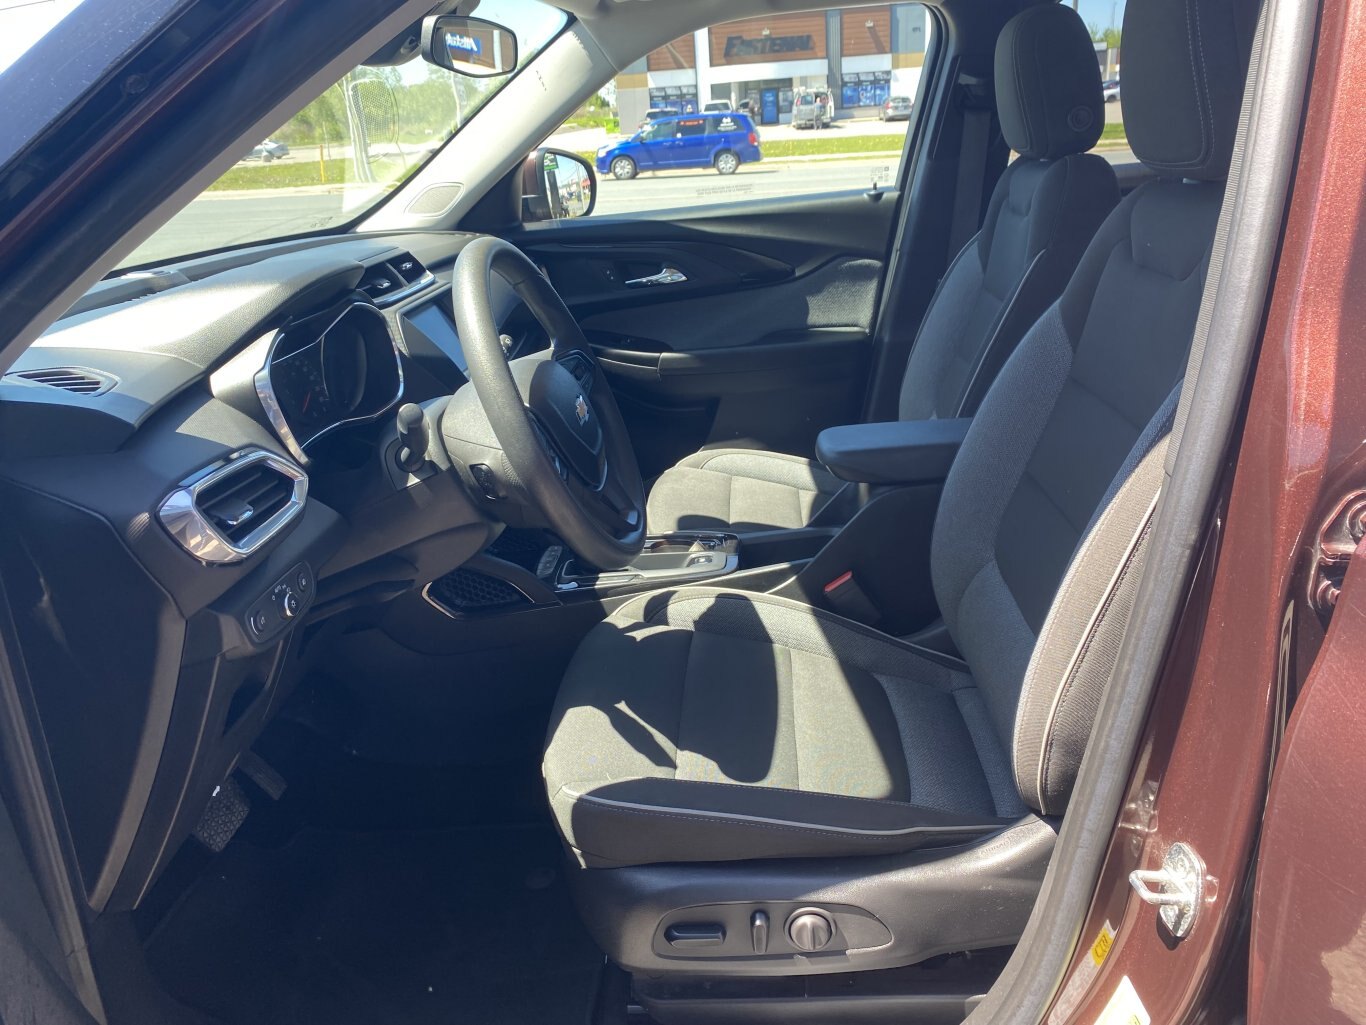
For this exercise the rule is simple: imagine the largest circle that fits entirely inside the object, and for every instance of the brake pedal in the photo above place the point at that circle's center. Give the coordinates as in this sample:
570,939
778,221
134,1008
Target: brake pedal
223,816
259,771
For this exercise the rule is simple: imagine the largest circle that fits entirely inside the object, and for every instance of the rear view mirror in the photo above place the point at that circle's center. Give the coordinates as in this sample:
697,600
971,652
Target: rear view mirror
556,185
469,46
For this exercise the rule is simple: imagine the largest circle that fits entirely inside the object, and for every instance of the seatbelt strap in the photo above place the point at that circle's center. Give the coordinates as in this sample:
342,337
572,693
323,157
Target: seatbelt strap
974,92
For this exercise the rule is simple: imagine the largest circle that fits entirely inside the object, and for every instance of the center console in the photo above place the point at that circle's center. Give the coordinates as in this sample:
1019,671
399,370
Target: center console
680,558
528,568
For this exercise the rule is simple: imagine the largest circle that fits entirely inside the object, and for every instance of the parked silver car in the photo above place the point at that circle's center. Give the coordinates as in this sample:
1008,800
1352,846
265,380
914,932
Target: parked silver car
268,151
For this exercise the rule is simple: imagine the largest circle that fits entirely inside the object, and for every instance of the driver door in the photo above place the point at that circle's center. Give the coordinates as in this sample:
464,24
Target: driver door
34,984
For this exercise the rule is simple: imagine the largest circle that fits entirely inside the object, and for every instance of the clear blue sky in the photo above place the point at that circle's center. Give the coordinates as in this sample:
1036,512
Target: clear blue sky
1098,12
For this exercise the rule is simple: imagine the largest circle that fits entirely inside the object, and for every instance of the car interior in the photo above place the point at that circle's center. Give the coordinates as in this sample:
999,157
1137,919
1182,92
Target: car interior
476,636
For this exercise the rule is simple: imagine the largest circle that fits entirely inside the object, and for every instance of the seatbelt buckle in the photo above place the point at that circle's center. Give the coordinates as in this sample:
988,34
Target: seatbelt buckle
845,596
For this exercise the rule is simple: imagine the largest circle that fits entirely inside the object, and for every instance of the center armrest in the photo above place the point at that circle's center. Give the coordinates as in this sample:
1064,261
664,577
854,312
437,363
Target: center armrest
899,452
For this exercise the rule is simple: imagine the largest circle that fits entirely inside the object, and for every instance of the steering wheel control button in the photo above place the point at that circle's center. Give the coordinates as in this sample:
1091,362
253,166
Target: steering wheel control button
809,930
691,935
487,482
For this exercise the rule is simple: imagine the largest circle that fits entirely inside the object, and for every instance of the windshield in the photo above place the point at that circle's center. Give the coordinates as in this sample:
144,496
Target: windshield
345,152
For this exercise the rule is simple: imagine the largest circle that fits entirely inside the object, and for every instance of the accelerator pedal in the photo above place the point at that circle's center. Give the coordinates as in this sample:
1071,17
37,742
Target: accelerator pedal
259,771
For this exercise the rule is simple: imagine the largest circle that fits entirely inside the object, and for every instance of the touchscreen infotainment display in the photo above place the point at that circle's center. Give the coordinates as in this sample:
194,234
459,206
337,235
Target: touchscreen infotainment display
437,327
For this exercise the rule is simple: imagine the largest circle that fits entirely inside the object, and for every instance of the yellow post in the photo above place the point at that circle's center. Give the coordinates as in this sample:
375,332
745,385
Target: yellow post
322,165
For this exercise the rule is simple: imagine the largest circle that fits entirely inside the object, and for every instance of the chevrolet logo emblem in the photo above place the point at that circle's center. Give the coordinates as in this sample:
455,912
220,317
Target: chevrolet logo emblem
581,410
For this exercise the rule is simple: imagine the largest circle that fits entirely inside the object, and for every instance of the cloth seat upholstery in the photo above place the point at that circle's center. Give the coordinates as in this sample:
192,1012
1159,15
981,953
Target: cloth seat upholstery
709,725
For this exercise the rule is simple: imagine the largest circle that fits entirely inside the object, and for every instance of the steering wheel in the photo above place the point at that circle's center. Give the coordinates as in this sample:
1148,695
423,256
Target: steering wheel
564,446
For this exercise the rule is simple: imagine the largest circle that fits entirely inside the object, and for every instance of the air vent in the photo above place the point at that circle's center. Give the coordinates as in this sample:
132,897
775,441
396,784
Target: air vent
380,281
229,511
77,380
389,281
237,504
409,268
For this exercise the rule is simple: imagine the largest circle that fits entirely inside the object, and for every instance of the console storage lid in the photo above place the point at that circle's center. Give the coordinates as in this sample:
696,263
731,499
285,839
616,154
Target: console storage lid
898,452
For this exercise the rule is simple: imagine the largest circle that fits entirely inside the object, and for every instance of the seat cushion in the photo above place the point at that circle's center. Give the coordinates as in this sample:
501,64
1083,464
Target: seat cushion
710,725
739,490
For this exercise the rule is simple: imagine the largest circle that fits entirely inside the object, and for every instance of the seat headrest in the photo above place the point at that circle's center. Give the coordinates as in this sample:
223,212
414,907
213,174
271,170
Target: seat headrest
1184,65
1048,83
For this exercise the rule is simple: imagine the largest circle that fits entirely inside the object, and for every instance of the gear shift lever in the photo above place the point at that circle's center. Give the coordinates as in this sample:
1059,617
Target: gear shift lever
412,438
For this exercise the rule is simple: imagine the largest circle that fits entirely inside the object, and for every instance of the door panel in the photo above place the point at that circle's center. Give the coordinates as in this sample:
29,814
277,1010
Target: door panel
1309,908
761,336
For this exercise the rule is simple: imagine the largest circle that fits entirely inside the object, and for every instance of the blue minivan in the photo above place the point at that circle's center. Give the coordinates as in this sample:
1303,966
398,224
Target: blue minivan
722,139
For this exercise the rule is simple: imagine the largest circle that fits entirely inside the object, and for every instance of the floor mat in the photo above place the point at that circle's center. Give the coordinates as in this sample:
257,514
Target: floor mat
383,928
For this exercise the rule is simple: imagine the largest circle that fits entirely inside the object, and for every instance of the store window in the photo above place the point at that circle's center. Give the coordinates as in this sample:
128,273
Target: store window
673,97
866,89
865,64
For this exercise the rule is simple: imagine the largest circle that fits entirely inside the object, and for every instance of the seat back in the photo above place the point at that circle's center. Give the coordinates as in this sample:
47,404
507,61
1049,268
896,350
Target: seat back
1040,531
1044,210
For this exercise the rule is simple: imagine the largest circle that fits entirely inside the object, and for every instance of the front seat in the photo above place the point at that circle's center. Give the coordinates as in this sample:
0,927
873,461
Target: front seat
1044,210
716,756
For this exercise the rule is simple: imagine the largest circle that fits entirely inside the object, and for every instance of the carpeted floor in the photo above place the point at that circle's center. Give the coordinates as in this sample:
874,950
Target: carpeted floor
382,927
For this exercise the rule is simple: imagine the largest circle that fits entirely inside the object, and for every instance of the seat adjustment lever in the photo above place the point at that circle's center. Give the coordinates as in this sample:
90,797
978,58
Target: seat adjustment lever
758,931
695,934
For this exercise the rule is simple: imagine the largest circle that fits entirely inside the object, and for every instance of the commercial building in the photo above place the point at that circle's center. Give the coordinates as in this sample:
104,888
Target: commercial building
861,55
1108,57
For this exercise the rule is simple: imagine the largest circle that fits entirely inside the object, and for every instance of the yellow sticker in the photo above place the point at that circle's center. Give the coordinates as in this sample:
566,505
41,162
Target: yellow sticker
1101,948
1124,1008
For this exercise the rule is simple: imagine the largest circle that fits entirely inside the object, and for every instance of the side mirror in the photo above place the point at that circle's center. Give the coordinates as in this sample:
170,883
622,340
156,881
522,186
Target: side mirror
557,185
469,46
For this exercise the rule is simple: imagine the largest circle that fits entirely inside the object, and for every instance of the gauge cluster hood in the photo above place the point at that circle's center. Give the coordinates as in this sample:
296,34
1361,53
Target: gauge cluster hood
137,356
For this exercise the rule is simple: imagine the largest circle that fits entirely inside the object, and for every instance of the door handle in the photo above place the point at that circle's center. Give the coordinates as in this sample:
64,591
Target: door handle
668,276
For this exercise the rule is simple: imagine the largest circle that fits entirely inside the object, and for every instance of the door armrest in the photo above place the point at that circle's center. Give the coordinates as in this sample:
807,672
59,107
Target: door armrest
899,452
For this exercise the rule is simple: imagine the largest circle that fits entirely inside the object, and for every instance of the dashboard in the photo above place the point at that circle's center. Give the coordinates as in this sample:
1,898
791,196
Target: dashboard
217,440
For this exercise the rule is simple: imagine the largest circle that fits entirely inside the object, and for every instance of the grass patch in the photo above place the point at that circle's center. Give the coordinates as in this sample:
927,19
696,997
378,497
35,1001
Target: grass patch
1113,132
296,174
284,176
833,145
606,121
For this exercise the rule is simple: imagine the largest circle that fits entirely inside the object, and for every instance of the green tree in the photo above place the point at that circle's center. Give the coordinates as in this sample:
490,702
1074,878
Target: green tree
1111,36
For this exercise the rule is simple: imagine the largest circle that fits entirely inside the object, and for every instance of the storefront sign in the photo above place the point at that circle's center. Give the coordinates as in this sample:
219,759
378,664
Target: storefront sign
739,46
456,41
